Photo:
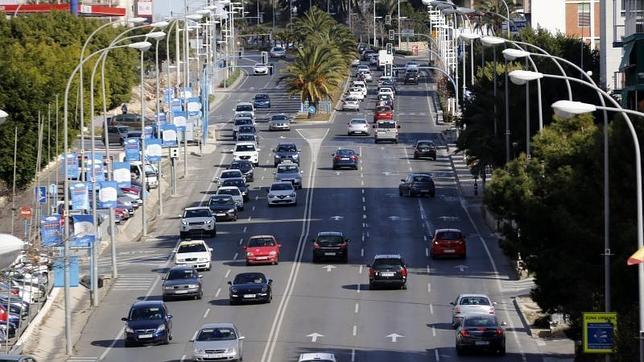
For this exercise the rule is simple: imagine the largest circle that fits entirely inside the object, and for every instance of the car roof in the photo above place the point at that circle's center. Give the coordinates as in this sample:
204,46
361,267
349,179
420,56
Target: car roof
262,236
245,143
358,119
448,229
282,183
191,242
316,356
227,188
221,196
330,233
217,325
467,295
231,170
419,174
151,303
196,208
182,267
387,256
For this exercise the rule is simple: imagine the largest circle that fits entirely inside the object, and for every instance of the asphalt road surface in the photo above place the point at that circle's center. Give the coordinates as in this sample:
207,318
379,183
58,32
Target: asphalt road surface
321,307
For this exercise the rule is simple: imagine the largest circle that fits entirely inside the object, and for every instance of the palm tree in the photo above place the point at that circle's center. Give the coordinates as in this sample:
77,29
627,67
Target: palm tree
318,69
341,38
491,7
313,22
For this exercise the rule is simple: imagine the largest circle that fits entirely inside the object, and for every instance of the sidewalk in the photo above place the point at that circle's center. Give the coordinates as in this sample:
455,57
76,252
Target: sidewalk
551,342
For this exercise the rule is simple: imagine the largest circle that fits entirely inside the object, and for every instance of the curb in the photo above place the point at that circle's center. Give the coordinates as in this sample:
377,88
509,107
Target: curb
524,321
35,323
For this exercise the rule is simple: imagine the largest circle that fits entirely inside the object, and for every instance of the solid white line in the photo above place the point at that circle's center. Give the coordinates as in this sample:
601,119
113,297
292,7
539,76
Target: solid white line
357,308
218,291
206,313
362,252
431,308
358,290
227,273
360,270
429,287
438,358
355,330
433,332
235,257
249,218
353,355
183,358
246,227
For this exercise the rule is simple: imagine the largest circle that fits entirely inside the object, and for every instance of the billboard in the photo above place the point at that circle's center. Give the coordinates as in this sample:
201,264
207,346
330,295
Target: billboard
599,332
144,8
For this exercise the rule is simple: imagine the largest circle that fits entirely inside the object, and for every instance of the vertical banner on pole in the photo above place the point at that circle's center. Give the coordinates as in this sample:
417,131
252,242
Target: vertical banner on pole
59,271
206,108
73,170
107,195
40,193
169,135
132,149
79,196
180,120
50,230
153,150
121,174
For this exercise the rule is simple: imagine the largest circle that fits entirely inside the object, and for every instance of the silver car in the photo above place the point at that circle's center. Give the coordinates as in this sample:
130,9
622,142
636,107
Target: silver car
358,125
466,304
218,342
351,103
288,171
197,219
282,193
279,122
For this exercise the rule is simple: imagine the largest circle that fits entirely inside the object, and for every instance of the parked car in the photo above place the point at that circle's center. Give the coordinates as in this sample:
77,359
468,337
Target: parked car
262,249
250,287
218,342
182,281
148,322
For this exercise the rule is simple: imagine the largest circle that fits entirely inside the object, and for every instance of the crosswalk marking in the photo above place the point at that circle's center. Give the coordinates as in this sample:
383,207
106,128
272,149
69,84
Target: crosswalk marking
81,359
133,282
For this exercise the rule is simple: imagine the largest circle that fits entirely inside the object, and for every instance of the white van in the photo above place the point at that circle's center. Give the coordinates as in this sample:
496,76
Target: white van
386,130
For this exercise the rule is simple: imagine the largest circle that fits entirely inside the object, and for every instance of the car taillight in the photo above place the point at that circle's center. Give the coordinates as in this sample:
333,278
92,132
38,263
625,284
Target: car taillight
354,158
343,245
457,310
499,331
465,333
403,272
337,158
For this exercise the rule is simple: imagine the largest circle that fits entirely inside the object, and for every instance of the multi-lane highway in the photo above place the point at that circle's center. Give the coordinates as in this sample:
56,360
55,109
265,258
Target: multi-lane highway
320,307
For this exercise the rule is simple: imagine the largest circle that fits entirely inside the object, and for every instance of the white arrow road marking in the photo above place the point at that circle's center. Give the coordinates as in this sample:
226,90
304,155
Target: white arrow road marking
314,336
393,218
394,337
337,217
329,268
337,173
461,267
387,173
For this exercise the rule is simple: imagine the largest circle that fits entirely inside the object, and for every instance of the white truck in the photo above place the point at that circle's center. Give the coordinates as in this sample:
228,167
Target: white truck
384,58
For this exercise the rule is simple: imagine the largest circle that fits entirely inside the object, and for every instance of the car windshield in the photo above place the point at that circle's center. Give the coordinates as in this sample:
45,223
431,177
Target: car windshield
246,138
247,129
242,166
191,248
261,96
244,108
344,153
448,235
250,278
197,213
245,148
480,321
279,118
146,313
358,121
256,242
383,109
178,274
425,144
474,301
387,263
134,134
234,182
122,129
282,187
351,99
422,179
222,200
243,121
278,49
287,169
386,125
216,334
229,174
330,239
286,148
231,191
259,65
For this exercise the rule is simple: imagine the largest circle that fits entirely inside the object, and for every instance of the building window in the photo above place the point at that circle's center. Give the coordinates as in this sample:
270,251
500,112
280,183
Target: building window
583,15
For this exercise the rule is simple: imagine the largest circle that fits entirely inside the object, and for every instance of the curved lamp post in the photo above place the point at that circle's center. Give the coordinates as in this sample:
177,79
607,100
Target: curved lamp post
493,42
513,54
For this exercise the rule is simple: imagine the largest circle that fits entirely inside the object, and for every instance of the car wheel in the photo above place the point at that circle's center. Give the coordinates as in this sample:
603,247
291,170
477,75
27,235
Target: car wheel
315,258
235,217
200,295
213,233
372,286
400,193
415,157
433,194
232,302
346,258
334,167
502,350
348,133
182,235
404,286
167,339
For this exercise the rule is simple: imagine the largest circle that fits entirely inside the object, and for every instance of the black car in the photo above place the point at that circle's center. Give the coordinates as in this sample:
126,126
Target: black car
223,207
411,76
240,183
148,322
425,148
417,184
246,168
286,151
390,83
388,270
247,137
250,287
480,332
117,134
330,244
182,281
344,157
262,100
247,129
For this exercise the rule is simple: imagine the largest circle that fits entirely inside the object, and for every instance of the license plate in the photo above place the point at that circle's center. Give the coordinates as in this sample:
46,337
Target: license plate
145,336
180,291
221,214
481,343
424,190
387,274
249,295
329,254
345,158
449,251
216,355
261,258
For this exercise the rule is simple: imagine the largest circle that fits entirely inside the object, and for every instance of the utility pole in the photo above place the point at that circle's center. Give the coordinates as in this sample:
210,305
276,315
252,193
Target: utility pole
13,197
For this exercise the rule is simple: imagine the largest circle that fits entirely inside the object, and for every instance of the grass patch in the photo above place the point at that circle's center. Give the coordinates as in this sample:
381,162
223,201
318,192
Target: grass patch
231,79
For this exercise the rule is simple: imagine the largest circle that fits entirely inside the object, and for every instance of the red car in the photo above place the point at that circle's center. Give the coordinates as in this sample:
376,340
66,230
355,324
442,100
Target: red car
262,249
383,112
448,242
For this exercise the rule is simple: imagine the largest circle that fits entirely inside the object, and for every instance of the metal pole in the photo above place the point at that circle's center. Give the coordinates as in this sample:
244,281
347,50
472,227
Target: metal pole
48,154
173,171
496,114
471,62
13,197
399,35
158,101
7,313
56,147
185,154
94,264
607,252
144,224
527,115
374,23
464,70
507,116
177,52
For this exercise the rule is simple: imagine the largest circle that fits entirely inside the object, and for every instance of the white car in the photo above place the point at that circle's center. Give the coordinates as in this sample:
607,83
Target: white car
360,84
228,174
246,151
363,67
193,252
355,62
245,114
244,107
317,357
367,76
282,193
466,304
235,193
350,103
356,92
260,68
197,219
277,52
387,91
358,125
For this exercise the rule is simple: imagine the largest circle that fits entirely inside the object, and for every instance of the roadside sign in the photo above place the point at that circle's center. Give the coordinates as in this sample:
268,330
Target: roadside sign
40,192
407,32
392,34
599,332
311,109
25,212
59,272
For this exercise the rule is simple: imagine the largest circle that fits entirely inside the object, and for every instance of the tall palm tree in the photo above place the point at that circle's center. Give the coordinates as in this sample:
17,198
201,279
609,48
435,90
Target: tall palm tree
341,38
313,22
491,7
318,69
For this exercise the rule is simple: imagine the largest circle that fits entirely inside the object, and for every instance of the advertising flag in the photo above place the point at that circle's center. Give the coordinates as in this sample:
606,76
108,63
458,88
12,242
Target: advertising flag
169,135
50,230
79,195
73,170
179,119
132,149
83,225
108,194
153,150
121,174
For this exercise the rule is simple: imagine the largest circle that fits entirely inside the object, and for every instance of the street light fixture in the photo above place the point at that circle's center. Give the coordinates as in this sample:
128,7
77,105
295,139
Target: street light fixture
160,24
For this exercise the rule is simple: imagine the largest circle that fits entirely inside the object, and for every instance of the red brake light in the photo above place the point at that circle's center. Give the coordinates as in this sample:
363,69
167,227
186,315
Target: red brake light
465,333
354,157
499,331
404,272
337,158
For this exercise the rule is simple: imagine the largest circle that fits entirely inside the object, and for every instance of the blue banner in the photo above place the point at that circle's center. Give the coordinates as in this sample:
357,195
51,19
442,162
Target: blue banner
108,194
132,149
51,232
168,94
99,170
73,169
83,225
59,272
180,119
121,174
153,150
169,135
194,106
149,132
176,106
40,194
79,196
82,241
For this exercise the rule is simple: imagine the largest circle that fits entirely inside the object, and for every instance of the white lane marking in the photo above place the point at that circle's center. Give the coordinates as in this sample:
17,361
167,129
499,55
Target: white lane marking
353,355
227,273
357,308
433,332
410,169
364,216
364,208
363,199
362,182
361,175
362,252
363,191
253,208
496,272
426,251
360,270
249,218
217,293
428,270
431,308
246,227
194,336
235,257
183,358
241,240
256,198
438,357
407,158
358,290
425,237
429,287
262,177
363,237
355,330
206,313
426,221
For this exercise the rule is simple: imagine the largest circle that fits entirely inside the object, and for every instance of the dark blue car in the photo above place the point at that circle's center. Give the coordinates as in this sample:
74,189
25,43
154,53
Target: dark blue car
262,101
148,322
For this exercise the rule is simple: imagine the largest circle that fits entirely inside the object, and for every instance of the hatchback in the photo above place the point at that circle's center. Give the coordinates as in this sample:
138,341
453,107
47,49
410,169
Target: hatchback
330,244
344,157
425,148
448,242
358,125
148,322
469,303
388,270
417,184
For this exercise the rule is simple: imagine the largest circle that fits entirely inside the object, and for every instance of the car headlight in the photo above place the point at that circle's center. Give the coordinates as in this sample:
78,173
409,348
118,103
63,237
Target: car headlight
250,254
203,259
184,222
129,330
199,351
296,156
278,156
168,288
271,196
161,328
293,194
231,351
209,221
234,290
231,210
193,285
272,253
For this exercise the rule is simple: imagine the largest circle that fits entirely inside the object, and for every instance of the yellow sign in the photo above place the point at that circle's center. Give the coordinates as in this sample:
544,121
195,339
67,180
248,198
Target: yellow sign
599,332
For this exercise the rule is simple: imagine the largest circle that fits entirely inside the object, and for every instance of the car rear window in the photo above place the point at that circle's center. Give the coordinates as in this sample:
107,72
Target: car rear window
474,301
246,138
244,108
287,169
448,235
242,121
387,263
229,174
328,240
233,182
247,129
358,121
244,148
179,274
425,144
286,148
234,192
191,248
422,179
345,152
256,242
480,321
386,125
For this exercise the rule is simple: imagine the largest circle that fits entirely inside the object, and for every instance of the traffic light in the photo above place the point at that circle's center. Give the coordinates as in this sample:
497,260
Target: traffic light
389,48
387,19
174,152
388,70
392,34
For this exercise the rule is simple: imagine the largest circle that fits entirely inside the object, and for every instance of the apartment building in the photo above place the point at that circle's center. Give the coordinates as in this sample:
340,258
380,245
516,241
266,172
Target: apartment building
631,68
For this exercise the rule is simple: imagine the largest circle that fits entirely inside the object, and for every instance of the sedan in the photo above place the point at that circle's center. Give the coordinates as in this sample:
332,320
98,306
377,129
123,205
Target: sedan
448,242
250,287
288,171
277,52
262,100
383,113
240,183
317,357
356,92
234,192
262,249
344,157
358,125
470,303
148,322
182,281
260,68
217,342
417,184
425,148
350,103
223,207
480,332
279,122
282,193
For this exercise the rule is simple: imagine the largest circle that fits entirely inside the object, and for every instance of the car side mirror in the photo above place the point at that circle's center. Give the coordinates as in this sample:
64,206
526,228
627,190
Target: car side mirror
259,149
452,303
169,316
402,180
270,281
274,173
398,126
244,247
493,303
124,319
230,283
200,275
368,265
504,324
279,245
242,338
210,249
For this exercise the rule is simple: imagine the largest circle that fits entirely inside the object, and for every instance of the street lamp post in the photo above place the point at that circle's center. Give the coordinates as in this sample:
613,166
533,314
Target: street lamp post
489,41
